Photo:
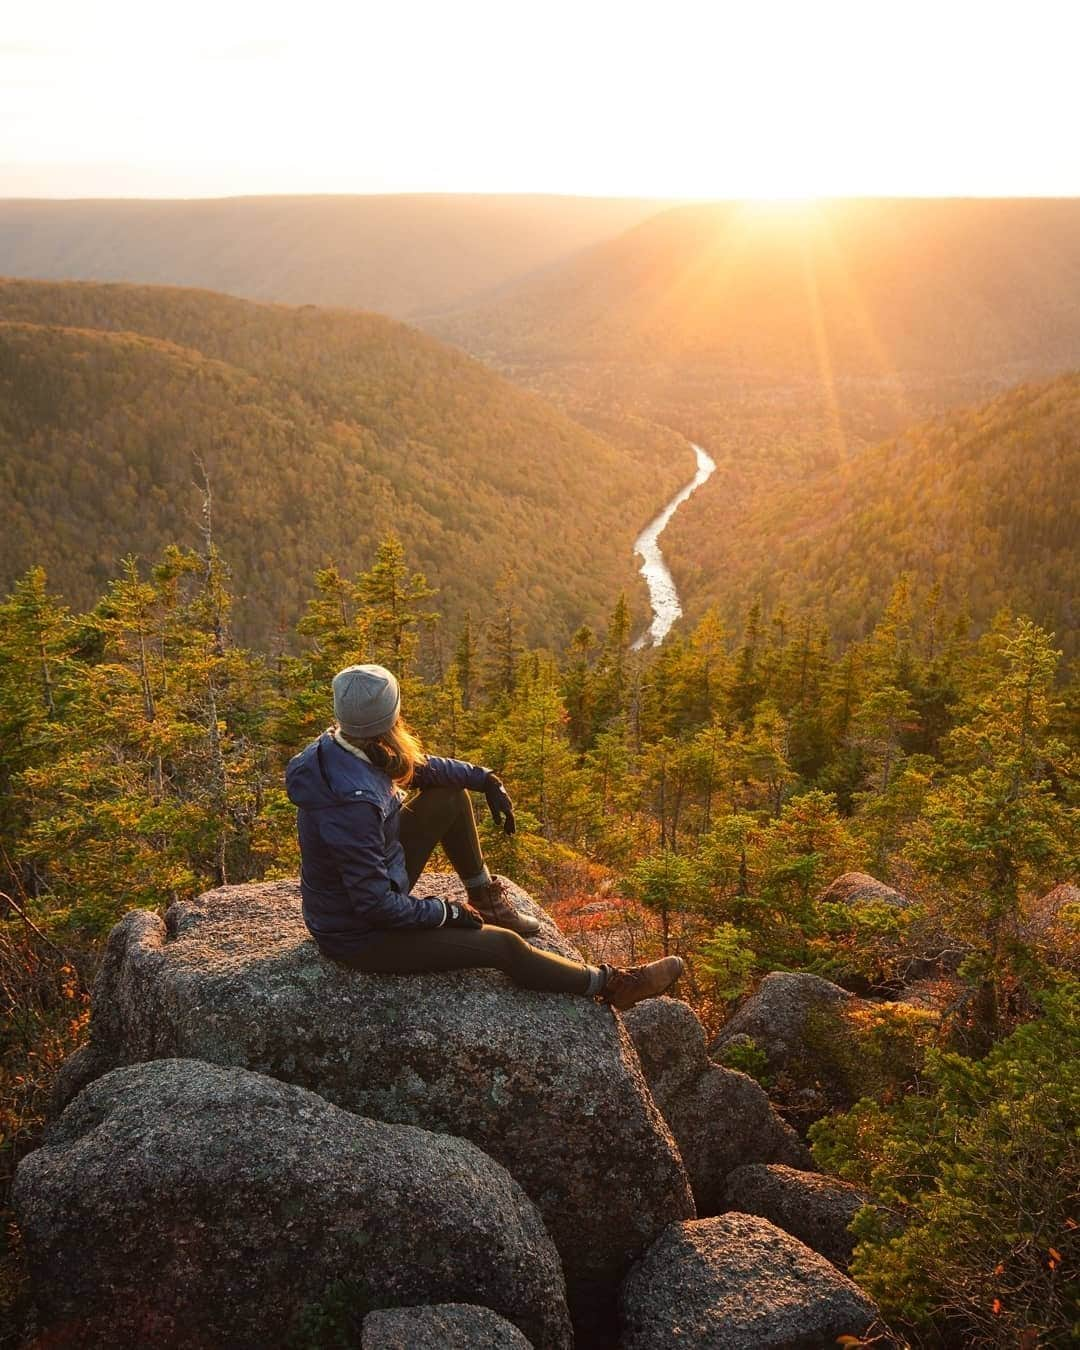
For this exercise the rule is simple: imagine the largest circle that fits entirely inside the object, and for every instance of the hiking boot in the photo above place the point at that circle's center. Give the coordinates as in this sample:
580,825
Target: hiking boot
495,908
624,988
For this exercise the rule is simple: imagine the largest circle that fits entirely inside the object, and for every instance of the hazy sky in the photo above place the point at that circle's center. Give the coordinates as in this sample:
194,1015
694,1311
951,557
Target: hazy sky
668,98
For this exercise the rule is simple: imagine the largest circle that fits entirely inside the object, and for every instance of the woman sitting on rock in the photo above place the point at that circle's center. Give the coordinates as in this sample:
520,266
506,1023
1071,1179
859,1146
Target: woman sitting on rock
363,845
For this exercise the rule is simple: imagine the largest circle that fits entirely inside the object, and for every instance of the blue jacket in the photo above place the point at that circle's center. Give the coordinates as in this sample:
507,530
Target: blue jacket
352,866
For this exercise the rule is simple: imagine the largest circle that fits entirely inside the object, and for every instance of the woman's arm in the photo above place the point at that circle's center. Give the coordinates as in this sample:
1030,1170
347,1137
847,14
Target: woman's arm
449,773
459,774
353,834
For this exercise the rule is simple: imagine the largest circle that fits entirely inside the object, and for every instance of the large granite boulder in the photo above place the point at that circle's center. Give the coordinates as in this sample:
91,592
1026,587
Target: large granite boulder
547,1084
859,888
720,1118
178,1203
777,1016
735,1282
825,1047
450,1326
813,1208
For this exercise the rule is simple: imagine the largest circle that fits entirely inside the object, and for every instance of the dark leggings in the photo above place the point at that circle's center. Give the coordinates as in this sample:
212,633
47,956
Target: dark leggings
445,815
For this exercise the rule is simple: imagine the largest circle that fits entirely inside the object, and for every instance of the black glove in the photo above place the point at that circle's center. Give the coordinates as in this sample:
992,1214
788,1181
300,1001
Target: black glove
460,914
502,808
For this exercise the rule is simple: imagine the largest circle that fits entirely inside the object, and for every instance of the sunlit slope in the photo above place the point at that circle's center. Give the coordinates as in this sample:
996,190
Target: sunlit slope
392,254
982,500
922,290
320,430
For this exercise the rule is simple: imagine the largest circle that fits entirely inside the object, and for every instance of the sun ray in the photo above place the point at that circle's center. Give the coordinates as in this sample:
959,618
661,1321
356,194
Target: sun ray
822,352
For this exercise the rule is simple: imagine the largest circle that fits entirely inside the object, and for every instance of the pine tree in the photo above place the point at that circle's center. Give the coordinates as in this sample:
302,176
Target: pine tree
611,677
503,642
38,678
747,686
393,600
998,827
466,661
579,687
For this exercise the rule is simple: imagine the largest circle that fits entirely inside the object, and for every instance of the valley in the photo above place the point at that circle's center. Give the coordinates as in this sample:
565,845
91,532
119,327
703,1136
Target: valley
799,730
319,431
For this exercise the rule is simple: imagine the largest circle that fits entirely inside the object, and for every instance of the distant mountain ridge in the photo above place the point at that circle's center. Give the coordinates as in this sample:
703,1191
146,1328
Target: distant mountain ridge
805,347
395,254
321,430
874,289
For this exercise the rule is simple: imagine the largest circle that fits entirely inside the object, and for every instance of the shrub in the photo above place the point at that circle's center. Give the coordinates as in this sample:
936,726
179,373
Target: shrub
729,957
744,1053
972,1237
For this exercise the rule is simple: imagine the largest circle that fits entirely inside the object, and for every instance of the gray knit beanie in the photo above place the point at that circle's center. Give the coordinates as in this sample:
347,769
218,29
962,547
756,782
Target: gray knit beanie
366,701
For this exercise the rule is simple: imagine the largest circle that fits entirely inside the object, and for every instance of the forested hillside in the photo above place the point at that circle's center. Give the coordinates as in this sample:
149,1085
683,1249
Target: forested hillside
698,798
318,432
981,500
799,344
908,291
393,254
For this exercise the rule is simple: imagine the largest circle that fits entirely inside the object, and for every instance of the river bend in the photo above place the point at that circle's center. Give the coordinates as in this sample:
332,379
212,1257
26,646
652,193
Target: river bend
663,595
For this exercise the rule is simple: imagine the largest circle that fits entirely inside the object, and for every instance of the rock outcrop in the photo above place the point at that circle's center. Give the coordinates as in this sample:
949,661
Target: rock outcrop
800,1023
720,1118
859,888
450,1326
735,1282
178,1203
1052,925
776,1015
546,1084
813,1208
825,1047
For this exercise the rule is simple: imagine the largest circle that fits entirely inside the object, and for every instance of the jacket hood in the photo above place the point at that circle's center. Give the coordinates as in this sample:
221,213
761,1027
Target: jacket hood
323,775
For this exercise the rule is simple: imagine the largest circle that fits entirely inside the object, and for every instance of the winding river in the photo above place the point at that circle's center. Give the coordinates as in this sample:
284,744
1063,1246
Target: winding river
663,596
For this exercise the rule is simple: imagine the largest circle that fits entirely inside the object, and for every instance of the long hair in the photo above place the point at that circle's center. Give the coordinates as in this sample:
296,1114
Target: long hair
397,752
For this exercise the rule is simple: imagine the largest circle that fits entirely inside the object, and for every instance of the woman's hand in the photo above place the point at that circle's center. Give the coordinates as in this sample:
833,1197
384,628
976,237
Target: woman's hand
498,800
460,914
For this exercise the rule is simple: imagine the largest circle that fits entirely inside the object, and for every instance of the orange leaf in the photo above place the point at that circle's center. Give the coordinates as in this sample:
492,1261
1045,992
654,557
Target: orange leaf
999,1269
995,1307
1055,1253
848,1340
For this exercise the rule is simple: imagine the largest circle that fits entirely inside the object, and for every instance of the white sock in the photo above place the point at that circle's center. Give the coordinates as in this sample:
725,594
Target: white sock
597,979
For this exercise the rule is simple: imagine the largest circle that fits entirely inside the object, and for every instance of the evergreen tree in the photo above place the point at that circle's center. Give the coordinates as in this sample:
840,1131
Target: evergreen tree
393,600
466,661
997,828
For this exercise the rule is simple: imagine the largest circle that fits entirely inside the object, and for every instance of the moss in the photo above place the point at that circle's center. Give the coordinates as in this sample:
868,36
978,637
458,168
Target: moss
748,1057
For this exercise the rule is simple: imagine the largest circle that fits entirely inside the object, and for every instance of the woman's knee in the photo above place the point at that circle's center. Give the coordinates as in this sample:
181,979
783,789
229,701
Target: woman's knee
443,795
505,945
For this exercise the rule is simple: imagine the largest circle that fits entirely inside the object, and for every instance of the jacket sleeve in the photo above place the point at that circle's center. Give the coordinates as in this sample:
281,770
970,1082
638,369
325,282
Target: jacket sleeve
449,773
355,840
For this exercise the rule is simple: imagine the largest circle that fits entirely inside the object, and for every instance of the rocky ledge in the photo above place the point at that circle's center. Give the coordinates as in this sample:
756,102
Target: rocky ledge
549,1086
